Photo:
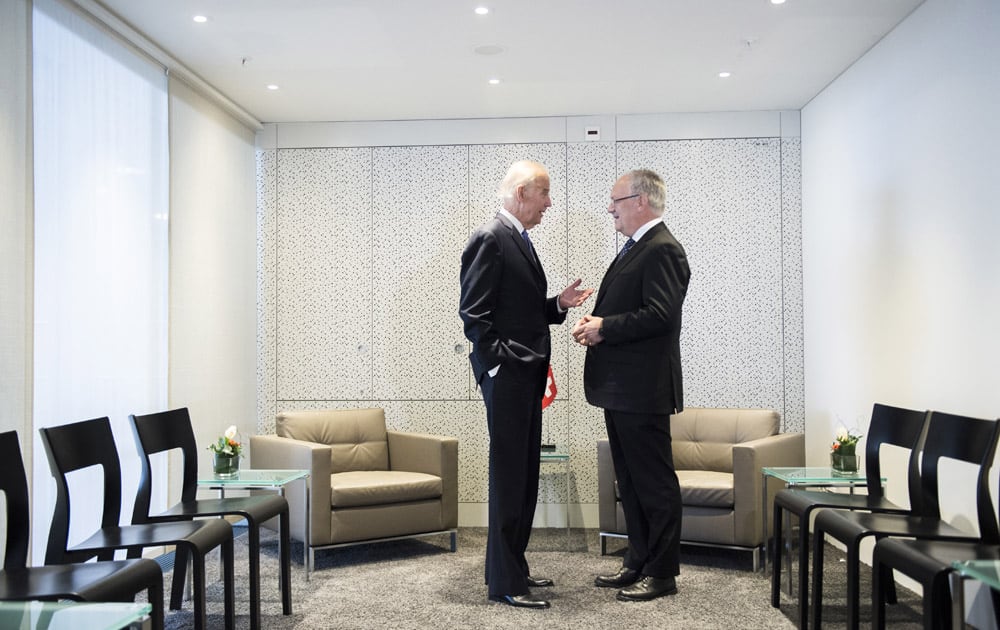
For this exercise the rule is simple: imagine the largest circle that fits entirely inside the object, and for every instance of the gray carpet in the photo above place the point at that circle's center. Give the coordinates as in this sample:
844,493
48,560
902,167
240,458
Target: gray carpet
420,584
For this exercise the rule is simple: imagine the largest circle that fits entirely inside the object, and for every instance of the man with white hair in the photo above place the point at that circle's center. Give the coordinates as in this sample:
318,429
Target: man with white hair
507,317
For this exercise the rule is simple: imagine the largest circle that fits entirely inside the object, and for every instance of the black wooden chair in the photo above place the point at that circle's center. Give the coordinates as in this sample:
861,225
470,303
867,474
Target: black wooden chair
889,425
964,439
111,581
167,430
79,445
928,562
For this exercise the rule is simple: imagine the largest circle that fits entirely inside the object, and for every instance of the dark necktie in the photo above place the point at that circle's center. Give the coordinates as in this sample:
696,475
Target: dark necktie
627,246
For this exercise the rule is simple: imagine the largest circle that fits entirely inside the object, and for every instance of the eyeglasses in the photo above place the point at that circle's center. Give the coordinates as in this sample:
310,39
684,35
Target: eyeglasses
613,200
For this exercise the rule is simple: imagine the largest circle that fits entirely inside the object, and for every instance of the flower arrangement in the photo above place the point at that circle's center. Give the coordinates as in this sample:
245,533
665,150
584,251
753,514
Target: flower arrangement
846,441
227,445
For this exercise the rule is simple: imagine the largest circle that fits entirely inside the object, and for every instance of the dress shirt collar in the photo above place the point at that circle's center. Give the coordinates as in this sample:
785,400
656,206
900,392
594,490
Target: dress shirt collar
512,219
645,228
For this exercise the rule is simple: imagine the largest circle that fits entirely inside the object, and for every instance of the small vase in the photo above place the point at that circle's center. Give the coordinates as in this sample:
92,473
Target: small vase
225,465
844,464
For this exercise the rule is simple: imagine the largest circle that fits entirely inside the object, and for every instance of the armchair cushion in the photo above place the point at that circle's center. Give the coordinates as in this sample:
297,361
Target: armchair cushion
706,488
380,487
357,437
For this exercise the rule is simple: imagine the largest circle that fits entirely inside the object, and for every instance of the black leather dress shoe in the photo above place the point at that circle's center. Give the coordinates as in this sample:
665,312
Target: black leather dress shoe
521,601
624,577
648,588
537,582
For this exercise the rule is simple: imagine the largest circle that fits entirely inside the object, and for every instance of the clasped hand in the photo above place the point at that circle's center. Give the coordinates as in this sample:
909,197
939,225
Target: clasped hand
587,331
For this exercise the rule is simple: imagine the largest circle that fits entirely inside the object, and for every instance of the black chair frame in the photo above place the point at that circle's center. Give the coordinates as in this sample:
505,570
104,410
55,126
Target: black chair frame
168,430
961,438
111,581
79,445
889,425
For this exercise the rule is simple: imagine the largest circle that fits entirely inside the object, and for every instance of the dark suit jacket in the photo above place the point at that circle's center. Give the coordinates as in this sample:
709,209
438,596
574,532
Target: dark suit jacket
503,303
637,368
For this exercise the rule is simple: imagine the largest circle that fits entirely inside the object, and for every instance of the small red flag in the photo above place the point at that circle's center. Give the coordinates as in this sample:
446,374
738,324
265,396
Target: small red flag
550,390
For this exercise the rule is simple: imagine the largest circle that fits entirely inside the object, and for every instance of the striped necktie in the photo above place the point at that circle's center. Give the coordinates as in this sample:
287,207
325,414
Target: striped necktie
627,246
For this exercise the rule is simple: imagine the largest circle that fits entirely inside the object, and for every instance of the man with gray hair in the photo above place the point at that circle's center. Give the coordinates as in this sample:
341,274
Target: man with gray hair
633,372
507,317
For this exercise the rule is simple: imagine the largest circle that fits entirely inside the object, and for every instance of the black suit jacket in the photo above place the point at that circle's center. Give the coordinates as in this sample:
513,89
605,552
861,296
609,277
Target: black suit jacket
637,368
503,303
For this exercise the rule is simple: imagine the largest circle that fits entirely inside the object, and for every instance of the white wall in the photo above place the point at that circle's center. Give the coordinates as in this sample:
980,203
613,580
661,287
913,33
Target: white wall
900,182
213,313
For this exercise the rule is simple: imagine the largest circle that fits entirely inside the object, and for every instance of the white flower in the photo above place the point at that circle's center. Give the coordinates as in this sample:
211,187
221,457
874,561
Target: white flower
231,432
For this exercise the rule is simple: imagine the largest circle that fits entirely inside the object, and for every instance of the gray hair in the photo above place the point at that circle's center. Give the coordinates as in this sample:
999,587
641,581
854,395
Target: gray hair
521,172
646,182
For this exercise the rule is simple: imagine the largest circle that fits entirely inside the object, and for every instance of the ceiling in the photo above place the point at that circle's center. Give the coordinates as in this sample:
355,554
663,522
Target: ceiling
340,60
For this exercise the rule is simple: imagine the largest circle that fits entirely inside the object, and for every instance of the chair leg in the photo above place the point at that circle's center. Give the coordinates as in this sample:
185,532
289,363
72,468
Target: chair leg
817,582
879,571
804,570
776,558
604,544
454,542
198,596
853,587
285,558
181,559
155,596
253,537
229,579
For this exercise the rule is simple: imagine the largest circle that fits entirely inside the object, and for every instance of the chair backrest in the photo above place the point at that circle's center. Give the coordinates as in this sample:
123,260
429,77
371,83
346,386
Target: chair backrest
14,484
900,427
357,437
703,438
156,433
965,439
72,447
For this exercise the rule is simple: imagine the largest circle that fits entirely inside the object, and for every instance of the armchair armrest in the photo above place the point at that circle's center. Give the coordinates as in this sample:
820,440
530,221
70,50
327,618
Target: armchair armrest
784,449
271,451
606,503
432,455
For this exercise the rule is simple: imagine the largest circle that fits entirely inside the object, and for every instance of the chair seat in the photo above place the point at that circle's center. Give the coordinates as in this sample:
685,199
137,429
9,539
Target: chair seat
849,525
706,488
259,508
798,501
380,487
921,558
203,534
91,581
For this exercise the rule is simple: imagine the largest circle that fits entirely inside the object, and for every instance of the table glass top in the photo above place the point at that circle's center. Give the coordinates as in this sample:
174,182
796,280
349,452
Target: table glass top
986,571
814,475
254,477
559,454
71,615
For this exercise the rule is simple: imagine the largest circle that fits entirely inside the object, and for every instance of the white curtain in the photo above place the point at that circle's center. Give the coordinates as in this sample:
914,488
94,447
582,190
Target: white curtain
101,200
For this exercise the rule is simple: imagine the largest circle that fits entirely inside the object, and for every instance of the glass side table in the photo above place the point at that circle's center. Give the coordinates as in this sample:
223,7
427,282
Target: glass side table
263,479
986,571
560,455
74,615
801,477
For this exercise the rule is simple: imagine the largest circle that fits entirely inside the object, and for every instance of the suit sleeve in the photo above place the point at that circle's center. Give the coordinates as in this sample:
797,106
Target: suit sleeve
480,277
552,313
664,283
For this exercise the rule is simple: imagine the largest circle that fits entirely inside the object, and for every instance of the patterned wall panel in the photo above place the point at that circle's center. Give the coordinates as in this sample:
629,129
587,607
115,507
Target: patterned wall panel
421,224
266,214
324,274
358,281
723,205
791,264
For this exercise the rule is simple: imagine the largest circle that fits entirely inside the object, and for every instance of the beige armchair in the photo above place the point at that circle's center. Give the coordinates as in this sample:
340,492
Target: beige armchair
367,483
718,454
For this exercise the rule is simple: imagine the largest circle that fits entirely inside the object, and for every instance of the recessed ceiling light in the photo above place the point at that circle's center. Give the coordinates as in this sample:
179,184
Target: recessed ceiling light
482,10
200,19
724,75
272,87
777,1
494,81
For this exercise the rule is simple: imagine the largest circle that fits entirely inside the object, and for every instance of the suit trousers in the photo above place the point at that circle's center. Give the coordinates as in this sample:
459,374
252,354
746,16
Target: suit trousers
514,416
649,490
